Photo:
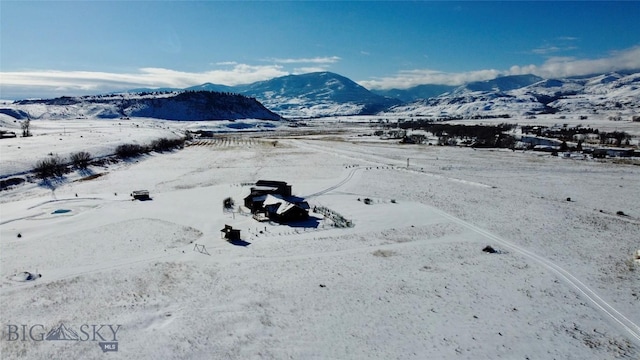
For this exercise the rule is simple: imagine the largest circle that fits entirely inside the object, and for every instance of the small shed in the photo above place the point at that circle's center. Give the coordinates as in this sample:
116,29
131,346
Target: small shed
230,233
141,195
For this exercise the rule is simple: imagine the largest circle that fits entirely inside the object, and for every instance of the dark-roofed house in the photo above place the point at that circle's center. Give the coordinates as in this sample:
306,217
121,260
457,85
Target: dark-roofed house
274,199
285,209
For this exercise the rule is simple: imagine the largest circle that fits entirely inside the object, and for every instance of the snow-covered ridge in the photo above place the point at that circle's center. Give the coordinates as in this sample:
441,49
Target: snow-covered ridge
175,105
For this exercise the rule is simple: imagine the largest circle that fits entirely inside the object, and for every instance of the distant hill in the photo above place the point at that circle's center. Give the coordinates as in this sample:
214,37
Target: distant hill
183,105
504,83
212,87
200,105
150,90
416,92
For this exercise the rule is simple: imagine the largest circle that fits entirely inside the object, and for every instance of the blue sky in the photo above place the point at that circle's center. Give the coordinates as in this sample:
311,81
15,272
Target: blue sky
52,48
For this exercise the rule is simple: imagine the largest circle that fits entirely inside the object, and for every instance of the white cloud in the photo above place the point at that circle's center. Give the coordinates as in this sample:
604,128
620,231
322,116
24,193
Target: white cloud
545,50
554,67
567,66
409,78
226,63
308,69
52,83
552,49
315,60
559,44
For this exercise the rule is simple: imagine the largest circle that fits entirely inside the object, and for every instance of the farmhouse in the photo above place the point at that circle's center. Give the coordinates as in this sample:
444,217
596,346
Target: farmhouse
273,199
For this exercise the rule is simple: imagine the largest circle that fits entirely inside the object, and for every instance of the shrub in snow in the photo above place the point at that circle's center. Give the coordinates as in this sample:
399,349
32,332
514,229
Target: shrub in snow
80,160
165,144
50,167
489,249
130,150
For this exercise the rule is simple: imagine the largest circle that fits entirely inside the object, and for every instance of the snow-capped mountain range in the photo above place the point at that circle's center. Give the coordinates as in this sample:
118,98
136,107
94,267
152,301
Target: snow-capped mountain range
323,94
530,95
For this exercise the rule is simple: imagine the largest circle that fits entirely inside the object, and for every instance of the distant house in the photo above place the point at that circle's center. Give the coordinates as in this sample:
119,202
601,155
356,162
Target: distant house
612,152
273,200
535,141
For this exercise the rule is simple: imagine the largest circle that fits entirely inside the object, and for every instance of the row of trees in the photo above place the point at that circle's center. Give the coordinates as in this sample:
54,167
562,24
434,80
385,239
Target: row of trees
126,151
564,133
617,136
476,135
55,165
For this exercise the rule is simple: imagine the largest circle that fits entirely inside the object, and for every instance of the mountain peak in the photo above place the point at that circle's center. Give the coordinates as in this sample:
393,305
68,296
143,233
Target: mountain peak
316,94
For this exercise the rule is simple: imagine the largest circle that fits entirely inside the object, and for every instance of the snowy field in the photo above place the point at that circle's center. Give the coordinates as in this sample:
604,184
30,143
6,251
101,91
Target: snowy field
408,281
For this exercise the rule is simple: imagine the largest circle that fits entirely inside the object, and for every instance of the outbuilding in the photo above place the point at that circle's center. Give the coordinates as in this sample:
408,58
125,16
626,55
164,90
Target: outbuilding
229,233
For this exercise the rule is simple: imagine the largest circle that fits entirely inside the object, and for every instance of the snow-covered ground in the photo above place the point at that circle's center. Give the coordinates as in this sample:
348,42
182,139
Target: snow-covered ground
409,280
98,137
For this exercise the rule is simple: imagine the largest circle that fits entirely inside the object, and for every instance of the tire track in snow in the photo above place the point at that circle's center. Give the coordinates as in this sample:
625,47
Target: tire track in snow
378,160
631,329
585,291
331,188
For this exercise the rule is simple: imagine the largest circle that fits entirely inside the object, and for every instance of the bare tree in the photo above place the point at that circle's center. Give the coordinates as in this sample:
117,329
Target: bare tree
25,125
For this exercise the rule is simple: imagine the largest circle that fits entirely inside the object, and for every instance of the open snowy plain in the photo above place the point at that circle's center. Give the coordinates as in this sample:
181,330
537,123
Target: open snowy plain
409,280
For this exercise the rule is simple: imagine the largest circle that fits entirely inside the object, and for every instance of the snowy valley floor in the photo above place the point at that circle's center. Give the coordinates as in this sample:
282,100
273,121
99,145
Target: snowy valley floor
408,281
